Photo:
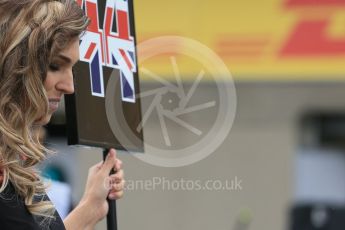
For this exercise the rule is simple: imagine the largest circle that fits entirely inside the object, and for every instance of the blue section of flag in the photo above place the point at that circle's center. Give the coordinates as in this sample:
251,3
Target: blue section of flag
131,54
127,91
96,75
114,60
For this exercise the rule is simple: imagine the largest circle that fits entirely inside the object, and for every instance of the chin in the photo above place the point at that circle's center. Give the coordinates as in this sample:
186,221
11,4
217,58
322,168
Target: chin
43,120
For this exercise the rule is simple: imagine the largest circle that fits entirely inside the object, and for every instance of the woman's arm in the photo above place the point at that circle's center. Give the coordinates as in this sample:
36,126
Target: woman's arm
93,207
82,217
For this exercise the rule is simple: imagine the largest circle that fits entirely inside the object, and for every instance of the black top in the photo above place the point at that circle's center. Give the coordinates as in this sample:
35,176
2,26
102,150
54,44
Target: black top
14,214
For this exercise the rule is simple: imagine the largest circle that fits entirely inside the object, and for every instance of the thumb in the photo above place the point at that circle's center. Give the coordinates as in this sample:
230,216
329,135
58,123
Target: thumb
95,168
109,162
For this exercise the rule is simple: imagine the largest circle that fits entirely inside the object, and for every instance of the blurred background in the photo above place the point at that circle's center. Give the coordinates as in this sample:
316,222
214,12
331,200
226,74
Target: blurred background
286,145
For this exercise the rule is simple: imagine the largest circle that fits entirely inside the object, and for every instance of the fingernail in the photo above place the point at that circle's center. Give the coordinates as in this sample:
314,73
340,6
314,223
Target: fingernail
111,153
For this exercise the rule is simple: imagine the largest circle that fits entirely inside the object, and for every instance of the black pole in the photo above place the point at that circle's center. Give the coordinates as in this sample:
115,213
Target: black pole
111,216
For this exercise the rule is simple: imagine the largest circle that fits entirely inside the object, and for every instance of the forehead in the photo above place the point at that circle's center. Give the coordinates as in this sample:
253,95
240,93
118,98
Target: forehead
71,51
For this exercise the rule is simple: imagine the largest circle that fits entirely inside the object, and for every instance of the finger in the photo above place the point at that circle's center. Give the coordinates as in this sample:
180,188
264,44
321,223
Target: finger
119,175
109,162
118,165
117,187
115,195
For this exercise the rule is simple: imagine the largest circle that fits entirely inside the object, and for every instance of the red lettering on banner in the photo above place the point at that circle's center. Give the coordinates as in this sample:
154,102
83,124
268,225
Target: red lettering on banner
291,3
310,39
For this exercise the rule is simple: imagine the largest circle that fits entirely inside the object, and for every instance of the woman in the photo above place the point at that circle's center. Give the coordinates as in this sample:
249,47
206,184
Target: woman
39,44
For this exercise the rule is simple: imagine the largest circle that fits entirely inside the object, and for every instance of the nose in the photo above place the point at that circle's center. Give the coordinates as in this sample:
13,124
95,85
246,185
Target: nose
66,85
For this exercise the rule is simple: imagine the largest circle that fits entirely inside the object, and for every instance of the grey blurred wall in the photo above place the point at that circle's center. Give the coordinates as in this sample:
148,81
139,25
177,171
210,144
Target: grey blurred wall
259,150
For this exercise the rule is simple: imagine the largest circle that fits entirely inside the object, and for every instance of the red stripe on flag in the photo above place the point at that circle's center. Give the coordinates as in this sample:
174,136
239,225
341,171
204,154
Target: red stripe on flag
123,28
79,2
92,13
108,19
107,27
90,50
128,62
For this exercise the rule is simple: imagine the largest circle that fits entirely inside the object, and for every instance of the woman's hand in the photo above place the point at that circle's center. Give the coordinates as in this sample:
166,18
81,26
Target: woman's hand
100,185
93,206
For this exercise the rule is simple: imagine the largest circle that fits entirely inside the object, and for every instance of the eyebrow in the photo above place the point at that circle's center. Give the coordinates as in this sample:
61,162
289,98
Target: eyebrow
66,59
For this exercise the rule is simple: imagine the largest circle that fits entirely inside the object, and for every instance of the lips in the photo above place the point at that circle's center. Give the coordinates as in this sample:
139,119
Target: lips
53,104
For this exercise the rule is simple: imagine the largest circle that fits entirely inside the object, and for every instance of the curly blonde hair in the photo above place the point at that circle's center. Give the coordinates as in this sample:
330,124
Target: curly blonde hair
31,33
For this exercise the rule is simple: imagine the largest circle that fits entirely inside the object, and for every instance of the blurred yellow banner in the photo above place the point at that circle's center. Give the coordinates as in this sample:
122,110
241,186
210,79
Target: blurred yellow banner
266,39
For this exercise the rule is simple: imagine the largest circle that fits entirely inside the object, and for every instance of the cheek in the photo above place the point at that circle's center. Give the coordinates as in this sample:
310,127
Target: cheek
49,82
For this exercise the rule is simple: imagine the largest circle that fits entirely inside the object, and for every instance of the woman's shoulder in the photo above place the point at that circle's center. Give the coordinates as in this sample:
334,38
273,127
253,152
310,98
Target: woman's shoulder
14,214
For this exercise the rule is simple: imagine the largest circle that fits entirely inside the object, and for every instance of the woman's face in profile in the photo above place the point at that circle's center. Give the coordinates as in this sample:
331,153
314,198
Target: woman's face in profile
59,80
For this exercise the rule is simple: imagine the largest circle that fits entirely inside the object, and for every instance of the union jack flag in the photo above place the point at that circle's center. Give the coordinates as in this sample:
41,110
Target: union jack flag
105,47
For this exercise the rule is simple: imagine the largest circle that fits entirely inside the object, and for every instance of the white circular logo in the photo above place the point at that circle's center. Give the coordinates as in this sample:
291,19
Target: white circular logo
178,107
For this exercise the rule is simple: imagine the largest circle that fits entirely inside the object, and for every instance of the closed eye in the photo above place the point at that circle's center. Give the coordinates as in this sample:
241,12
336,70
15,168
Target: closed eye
54,67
